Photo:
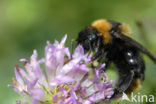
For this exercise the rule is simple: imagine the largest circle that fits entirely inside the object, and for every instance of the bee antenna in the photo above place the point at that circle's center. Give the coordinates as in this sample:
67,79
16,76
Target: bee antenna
71,47
90,46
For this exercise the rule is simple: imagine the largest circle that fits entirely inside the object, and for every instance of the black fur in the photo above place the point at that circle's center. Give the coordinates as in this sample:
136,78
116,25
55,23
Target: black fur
122,52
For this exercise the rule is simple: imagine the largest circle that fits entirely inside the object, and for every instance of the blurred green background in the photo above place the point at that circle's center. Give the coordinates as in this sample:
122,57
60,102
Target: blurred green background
27,24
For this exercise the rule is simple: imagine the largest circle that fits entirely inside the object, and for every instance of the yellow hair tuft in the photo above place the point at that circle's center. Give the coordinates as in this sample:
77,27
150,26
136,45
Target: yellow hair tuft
125,29
103,27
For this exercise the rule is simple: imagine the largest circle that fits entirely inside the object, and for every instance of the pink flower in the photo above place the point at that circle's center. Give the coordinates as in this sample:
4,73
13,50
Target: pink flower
65,80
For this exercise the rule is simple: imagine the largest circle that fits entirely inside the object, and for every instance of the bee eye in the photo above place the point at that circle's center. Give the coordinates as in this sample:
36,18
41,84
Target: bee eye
91,37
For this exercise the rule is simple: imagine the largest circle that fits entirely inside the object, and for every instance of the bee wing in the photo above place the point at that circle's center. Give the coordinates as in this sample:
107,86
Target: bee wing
135,44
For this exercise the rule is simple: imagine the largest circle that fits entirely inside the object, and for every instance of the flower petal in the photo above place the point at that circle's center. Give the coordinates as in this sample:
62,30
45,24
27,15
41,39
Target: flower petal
37,94
63,40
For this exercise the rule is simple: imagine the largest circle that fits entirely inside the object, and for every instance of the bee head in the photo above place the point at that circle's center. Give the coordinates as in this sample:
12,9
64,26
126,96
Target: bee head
88,38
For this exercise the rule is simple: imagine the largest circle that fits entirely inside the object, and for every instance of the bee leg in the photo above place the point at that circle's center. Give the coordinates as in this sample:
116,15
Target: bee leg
138,77
97,55
99,52
124,82
90,47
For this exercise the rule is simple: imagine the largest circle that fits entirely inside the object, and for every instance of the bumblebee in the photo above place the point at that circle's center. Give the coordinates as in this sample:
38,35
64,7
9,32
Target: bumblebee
110,41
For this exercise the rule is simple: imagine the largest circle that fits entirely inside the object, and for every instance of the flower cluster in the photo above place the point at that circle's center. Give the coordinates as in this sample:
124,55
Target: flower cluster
65,80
